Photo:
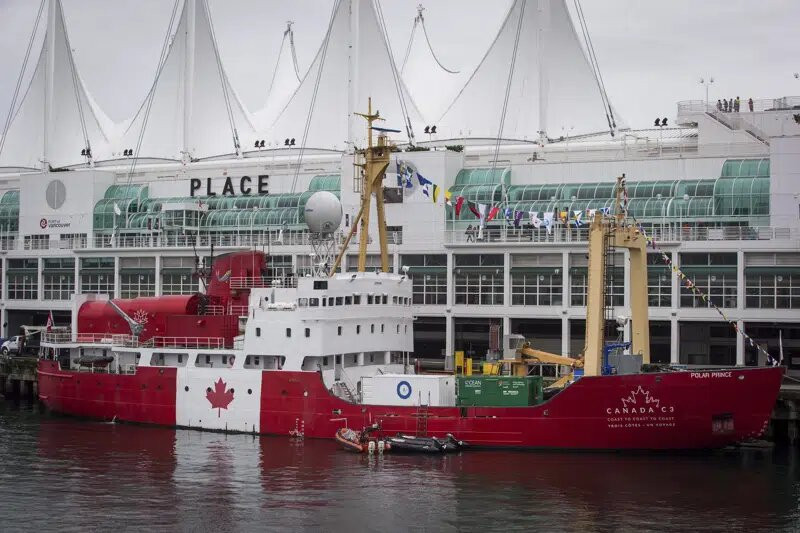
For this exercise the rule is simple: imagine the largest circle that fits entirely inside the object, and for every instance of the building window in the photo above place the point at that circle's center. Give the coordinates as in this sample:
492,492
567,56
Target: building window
174,283
372,328
22,286
537,287
288,332
58,278
382,328
429,289
615,287
308,332
714,275
478,279
258,332
339,330
22,278
58,286
772,290
478,288
358,329
659,282
136,284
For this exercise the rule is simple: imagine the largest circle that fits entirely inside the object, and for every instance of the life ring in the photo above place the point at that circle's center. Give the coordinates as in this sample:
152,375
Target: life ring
404,390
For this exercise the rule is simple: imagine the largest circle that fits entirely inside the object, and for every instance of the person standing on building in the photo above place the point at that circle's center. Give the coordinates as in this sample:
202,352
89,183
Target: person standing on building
719,105
470,235
725,105
736,104
750,104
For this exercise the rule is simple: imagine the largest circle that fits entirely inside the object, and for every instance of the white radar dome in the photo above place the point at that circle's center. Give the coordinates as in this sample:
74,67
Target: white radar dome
323,212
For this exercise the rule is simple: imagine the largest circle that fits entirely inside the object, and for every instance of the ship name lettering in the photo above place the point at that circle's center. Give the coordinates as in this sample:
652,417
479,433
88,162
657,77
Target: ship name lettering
639,410
707,375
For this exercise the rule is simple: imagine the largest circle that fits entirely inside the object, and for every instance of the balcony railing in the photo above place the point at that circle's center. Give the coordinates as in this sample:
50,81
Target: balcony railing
759,105
581,235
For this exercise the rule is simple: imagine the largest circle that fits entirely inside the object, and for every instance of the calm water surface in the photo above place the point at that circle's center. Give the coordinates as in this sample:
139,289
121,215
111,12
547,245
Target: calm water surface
64,474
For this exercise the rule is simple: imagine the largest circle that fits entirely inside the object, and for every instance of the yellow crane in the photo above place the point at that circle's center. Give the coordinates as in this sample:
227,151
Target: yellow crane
374,161
605,233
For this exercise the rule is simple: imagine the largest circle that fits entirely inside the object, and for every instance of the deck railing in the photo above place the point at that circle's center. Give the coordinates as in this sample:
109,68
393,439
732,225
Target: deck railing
129,341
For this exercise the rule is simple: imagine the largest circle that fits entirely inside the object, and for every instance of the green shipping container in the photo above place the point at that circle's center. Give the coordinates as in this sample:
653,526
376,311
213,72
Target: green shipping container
498,391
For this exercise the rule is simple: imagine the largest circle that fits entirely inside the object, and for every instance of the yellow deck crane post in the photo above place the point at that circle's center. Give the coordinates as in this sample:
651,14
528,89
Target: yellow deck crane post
373,170
606,233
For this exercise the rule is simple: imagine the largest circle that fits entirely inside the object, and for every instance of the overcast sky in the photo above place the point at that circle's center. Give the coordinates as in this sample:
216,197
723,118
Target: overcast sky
651,52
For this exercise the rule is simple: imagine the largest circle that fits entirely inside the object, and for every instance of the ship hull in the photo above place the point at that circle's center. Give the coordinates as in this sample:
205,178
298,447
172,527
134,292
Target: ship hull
653,411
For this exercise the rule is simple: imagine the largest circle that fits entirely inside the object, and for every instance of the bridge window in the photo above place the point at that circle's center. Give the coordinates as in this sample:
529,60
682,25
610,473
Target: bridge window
357,299
348,300
313,302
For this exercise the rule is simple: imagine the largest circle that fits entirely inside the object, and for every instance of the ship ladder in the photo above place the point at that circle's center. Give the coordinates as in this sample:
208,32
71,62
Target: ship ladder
422,420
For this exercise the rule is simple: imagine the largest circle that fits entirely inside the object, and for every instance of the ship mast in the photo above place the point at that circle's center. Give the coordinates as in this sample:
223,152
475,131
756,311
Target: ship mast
373,169
605,234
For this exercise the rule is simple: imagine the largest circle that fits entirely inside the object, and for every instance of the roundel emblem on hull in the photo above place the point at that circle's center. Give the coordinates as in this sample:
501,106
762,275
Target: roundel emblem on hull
404,390
55,194
43,223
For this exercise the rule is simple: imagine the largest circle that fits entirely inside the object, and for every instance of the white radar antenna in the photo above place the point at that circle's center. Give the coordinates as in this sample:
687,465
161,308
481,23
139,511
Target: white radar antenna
323,214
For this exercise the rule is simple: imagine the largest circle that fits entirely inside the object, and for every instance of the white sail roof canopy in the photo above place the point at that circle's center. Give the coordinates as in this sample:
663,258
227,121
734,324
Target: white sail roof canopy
284,82
432,85
553,84
200,118
56,118
355,46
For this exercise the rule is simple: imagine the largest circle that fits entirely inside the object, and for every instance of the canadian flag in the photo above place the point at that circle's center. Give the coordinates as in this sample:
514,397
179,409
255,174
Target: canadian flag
49,325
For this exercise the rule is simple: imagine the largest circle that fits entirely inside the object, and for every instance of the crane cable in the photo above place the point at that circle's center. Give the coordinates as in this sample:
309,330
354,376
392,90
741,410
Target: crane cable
410,42
507,93
224,81
290,31
398,82
609,111
150,96
430,47
11,109
76,83
323,54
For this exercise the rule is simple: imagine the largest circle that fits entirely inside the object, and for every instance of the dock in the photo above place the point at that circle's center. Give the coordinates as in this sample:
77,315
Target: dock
18,378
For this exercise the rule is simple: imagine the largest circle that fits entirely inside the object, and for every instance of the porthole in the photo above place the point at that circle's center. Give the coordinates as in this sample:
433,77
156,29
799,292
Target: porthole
208,389
186,388
249,391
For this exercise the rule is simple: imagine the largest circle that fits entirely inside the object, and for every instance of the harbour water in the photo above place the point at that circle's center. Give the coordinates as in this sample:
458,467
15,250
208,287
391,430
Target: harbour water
60,473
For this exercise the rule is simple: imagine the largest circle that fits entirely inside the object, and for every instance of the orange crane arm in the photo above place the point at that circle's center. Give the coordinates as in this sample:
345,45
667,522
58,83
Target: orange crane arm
547,357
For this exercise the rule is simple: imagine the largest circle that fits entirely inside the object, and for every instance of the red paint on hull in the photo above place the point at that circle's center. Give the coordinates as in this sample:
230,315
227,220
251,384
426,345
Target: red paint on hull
147,397
577,418
593,413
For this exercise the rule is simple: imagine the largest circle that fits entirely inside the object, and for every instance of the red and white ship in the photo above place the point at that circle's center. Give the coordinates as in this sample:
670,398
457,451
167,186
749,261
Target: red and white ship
297,356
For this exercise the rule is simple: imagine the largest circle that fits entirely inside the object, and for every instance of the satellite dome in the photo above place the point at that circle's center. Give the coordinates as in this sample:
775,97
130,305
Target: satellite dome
323,212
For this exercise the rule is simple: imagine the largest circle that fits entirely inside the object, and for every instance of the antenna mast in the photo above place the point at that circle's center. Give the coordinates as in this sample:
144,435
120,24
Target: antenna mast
373,170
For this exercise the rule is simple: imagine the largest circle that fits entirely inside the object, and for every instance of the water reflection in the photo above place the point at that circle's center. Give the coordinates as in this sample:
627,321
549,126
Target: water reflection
73,475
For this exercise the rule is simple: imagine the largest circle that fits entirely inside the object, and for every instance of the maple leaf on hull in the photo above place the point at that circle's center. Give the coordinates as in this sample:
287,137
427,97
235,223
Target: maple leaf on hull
219,397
